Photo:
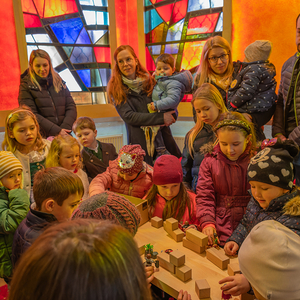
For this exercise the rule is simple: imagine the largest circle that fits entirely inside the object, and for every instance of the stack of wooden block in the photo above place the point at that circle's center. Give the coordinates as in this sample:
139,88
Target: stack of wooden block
195,240
171,227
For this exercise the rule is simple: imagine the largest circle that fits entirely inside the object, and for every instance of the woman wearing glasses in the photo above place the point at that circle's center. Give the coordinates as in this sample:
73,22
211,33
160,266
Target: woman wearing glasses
130,89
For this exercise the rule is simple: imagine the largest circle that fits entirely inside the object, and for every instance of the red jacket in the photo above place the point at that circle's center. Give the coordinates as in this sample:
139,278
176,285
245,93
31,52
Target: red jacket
110,180
222,195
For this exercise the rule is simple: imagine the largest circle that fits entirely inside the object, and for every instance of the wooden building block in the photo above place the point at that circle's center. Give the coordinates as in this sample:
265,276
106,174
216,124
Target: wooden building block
234,269
192,246
157,222
184,273
141,247
218,257
247,296
177,258
164,262
197,237
168,287
178,235
172,224
202,288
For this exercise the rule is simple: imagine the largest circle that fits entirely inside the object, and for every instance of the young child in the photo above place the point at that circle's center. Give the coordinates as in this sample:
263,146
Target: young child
268,260
270,174
23,139
65,152
208,104
14,205
167,94
253,89
95,155
222,189
168,197
57,192
128,174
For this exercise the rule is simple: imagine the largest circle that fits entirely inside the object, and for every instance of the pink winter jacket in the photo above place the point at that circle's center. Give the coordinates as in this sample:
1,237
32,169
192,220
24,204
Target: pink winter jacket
222,192
110,180
161,202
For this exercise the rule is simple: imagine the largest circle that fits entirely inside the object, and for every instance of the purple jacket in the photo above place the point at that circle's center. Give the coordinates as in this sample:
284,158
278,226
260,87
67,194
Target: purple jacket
222,195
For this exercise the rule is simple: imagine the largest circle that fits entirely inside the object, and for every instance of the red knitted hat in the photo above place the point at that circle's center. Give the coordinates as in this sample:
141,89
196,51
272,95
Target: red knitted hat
130,159
167,169
110,206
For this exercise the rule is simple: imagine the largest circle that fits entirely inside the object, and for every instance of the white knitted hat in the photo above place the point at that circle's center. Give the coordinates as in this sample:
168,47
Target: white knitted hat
259,50
8,163
269,258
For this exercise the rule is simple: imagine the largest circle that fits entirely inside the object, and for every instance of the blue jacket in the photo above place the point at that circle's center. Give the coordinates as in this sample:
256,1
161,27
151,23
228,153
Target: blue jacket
169,90
284,209
253,88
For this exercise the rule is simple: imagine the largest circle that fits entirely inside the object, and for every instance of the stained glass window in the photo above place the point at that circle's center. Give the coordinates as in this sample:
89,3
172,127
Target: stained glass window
180,28
75,33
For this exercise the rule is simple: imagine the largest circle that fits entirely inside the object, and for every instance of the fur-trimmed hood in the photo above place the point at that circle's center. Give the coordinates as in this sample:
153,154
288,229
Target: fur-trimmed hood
292,207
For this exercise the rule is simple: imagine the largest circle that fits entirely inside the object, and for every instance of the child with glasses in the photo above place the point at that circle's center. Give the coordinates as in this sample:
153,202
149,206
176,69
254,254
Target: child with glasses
253,89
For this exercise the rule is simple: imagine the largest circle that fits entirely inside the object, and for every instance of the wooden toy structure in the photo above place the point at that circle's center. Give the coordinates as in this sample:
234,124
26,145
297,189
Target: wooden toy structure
195,240
171,227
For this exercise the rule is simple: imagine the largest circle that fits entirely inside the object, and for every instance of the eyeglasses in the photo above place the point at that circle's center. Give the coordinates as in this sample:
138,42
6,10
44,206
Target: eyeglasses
215,59
127,60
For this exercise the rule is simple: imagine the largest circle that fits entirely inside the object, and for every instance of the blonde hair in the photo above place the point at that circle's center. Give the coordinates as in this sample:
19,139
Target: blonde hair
204,71
17,115
56,148
210,93
57,81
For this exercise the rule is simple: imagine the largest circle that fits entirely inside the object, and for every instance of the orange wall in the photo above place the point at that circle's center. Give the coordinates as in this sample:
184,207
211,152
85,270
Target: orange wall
265,20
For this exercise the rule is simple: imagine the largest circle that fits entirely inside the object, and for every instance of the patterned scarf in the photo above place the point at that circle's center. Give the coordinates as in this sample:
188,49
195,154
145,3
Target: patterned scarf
222,82
136,84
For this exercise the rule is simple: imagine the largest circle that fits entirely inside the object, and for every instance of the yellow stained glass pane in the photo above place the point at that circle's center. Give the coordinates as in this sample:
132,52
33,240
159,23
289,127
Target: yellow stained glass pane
191,56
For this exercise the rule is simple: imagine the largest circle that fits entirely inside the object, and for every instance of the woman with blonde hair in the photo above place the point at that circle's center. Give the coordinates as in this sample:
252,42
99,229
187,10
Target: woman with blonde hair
43,90
208,105
130,89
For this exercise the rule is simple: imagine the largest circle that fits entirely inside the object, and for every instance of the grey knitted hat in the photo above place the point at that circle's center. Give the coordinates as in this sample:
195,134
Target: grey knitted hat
259,50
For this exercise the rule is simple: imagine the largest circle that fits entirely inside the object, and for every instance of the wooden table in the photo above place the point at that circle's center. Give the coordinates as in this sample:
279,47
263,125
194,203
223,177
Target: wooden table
202,268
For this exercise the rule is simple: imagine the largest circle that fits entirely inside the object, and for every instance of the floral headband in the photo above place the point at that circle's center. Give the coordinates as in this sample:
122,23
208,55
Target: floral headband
237,123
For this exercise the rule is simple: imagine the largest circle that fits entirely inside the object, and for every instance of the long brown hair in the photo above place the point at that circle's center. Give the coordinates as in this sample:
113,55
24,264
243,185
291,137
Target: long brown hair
81,260
174,208
115,88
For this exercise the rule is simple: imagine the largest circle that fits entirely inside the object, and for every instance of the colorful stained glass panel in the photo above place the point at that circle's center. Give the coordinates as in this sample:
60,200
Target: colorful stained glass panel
192,54
172,48
68,50
96,17
102,54
41,38
217,3
82,55
55,57
95,78
219,27
72,84
83,37
105,76
198,4
94,2
179,11
174,32
54,8
85,76
152,19
31,21
149,61
27,6
95,35
155,50
165,12
202,24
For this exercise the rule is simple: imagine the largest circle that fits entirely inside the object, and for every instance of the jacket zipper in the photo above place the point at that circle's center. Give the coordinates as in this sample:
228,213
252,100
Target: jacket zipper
53,106
296,117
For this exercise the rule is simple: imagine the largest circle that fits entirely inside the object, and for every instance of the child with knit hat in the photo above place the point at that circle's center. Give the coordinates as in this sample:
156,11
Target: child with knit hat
110,206
168,197
14,205
128,174
252,90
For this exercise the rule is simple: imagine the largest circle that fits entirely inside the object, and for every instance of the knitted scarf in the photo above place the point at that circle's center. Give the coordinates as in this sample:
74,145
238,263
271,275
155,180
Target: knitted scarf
222,82
136,84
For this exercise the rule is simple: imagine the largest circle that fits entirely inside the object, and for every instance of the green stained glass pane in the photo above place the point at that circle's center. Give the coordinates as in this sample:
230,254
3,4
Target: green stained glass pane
104,40
68,50
95,78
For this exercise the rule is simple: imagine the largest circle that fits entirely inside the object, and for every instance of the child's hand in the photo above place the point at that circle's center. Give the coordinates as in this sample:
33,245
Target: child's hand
231,248
149,272
152,106
184,295
235,285
209,231
64,132
191,227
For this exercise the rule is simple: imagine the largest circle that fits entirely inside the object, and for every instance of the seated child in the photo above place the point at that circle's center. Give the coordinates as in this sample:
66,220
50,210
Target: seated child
222,189
95,155
268,260
65,152
253,89
128,174
57,192
270,174
167,94
14,205
110,206
168,197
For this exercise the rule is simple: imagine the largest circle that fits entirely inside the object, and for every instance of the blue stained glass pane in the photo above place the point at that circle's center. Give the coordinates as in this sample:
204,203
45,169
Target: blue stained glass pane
42,38
219,27
95,78
172,48
29,38
82,55
155,50
96,34
71,83
152,19
55,56
105,76
83,37
174,32
94,2
85,76
68,50
198,4
217,3
29,50
67,31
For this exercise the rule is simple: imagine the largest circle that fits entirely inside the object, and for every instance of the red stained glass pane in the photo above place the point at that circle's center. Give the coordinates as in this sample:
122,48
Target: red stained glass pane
102,54
150,65
179,11
31,21
27,6
165,12
53,8
192,54
202,24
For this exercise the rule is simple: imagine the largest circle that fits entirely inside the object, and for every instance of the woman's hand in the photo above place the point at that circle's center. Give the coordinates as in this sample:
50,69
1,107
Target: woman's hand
231,248
149,272
168,118
235,285
281,137
65,132
184,295
209,231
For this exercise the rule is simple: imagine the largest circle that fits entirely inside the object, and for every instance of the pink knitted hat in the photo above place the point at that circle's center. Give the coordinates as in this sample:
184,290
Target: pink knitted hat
110,206
130,159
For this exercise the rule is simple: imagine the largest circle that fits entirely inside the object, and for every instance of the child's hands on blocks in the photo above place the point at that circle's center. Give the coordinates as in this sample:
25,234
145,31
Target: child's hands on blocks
210,232
231,248
235,285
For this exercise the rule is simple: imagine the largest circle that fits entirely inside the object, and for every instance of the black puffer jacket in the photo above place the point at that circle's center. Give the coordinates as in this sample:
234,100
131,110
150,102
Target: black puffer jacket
54,111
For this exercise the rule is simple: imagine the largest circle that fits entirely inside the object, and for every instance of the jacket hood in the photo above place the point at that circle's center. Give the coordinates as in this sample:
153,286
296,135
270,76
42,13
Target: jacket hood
185,77
292,207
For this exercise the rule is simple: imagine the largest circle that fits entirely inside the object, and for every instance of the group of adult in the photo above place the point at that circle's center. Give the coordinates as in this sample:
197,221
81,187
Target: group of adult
130,88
